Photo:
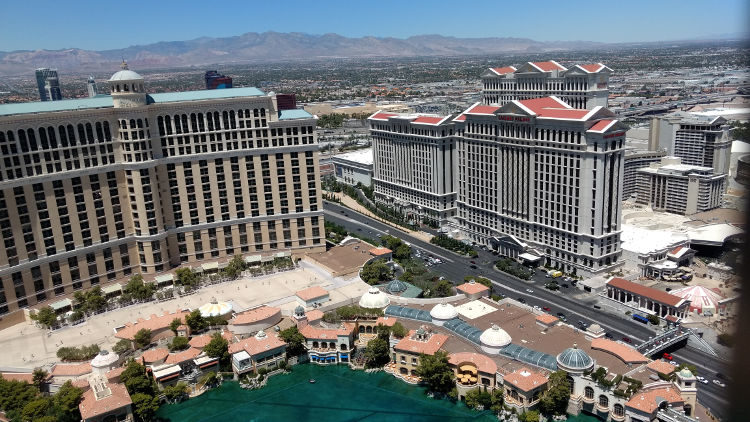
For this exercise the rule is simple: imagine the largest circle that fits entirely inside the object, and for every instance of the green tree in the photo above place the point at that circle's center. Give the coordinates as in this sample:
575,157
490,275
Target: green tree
443,288
139,290
235,267
175,392
66,401
179,343
478,397
36,408
142,338
195,321
187,277
295,341
376,272
377,352
496,402
174,324
136,379
144,406
554,400
435,372
122,346
45,316
218,347
529,416
653,319
398,330
39,377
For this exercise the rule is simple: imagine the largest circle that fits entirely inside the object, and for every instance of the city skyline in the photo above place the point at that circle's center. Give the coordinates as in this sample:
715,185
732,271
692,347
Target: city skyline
495,20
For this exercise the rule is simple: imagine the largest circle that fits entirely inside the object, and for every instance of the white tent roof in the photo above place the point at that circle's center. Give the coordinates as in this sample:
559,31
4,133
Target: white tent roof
700,297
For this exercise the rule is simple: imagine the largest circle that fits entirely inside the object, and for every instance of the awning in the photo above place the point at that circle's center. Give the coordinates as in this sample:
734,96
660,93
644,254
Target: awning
469,368
529,257
210,266
164,278
112,288
252,259
283,254
268,258
61,304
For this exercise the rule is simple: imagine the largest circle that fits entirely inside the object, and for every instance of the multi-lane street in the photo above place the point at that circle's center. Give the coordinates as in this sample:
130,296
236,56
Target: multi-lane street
566,300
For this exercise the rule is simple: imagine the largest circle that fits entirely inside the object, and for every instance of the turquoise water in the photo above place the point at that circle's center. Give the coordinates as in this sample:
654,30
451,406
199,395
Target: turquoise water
339,395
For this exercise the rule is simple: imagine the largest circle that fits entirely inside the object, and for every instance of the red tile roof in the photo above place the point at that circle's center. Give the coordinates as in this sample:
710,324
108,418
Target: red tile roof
482,109
553,108
254,346
460,118
311,293
382,116
91,407
252,316
482,362
524,379
472,288
311,332
429,347
661,367
153,355
625,353
115,373
380,251
593,68
71,369
648,292
200,341
387,321
503,70
153,323
183,356
548,66
18,376
547,319
428,120
648,401
602,125
314,315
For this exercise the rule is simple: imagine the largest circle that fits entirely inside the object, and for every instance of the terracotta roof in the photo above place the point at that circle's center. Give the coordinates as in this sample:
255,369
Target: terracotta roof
115,373
387,321
482,362
26,377
592,68
71,369
553,108
153,355
472,288
254,345
672,318
311,293
503,70
648,401
460,118
91,407
153,323
547,66
183,356
547,319
254,315
311,332
661,367
626,354
200,341
648,292
428,120
602,125
81,383
382,116
524,379
482,109
314,315
429,347
380,251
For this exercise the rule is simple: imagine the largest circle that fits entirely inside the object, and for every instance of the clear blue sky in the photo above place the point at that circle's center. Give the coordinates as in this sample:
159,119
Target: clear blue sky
87,24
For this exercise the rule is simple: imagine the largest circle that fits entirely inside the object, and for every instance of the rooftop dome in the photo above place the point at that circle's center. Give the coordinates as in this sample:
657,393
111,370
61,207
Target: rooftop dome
444,311
215,308
299,310
260,335
104,359
495,337
575,359
396,286
685,373
125,74
374,299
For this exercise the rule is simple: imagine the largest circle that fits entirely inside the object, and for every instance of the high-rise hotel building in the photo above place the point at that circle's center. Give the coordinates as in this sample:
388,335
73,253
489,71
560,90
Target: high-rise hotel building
534,179
95,190
582,86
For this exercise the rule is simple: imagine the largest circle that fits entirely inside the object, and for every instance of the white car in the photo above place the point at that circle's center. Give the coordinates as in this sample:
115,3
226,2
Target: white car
673,363
701,379
719,383
537,307
529,291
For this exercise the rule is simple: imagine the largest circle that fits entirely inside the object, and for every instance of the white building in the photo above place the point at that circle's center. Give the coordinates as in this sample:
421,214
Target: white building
655,253
582,86
414,157
354,167
634,160
679,188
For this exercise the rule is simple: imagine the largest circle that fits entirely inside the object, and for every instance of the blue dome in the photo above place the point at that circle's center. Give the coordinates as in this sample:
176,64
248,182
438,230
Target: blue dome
575,359
396,286
299,310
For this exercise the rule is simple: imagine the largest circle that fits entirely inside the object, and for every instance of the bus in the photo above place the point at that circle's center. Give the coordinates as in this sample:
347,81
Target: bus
640,318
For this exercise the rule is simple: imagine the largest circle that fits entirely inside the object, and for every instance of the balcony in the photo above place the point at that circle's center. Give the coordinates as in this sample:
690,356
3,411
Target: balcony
587,399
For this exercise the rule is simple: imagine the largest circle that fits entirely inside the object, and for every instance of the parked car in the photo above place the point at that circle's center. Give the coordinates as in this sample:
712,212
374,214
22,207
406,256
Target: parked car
547,308
537,307
597,307
522,300
473,267
472,262
667,356
582,324
627,340
608,335
565,285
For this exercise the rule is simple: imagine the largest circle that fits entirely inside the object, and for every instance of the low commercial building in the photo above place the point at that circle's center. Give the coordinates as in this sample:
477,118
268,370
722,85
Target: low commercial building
354,167
312,296
104,400
523,389
407,352
159,326
328,345
648,299
254,353
473,371
679,188
255,319
656,253
473,290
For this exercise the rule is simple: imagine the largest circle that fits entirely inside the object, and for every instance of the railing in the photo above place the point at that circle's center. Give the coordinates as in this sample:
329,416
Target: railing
664,340
671,415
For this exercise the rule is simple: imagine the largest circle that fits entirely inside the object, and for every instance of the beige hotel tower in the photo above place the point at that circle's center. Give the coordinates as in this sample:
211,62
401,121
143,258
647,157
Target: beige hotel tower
95,190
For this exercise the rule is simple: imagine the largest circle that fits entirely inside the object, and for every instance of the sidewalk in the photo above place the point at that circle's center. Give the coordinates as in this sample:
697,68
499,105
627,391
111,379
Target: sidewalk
350,202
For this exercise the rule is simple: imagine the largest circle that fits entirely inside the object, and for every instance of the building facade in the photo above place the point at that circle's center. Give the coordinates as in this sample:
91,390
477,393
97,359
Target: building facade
91,87
354,167
582,86
634,160
680,188
215,80
413,158
48,83
95,190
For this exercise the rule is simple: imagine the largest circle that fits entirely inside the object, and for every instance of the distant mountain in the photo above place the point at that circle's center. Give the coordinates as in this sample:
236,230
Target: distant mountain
255,47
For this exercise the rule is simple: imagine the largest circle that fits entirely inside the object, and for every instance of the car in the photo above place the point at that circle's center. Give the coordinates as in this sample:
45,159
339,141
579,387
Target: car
582,324
547,308
472,262
378,234
522,300
537,307
473,267
627,340
565,285
701,379
560,314
673,363
529,291
608,335
547,276
343,212
597,307
667,356
359,229
668,289
719,383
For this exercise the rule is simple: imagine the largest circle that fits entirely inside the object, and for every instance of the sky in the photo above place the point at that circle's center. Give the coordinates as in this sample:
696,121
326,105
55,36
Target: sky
101,25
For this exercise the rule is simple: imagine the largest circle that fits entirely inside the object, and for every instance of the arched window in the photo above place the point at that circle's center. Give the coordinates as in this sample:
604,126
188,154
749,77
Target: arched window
589,392
125,87
71,135
603,401
404,371
619,410
52,137
343,346
332,345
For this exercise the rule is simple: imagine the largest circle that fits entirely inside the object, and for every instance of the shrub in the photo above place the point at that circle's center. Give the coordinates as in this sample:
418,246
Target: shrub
725,339
78,353
653,319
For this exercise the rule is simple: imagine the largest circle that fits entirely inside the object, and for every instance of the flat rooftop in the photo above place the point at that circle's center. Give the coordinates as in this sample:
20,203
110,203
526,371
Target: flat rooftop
362,156
343,259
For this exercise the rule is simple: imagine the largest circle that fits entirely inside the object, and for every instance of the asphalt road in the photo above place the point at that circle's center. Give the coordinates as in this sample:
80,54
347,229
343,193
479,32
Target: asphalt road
455,268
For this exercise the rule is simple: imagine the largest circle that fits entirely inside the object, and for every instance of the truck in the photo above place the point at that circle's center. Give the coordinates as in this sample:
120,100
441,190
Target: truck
554,273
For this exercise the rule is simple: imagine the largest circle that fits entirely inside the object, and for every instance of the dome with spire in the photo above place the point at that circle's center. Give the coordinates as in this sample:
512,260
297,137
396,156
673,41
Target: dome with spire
396,286
574,359
299,311
125,74
374,299
495,337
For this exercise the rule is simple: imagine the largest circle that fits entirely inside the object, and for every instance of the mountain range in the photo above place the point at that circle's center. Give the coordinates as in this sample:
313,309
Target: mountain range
267,46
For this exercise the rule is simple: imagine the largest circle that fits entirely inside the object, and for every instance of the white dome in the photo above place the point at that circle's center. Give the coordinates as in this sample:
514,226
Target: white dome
495,337
444,311
374,299
104,359
126,75
215,308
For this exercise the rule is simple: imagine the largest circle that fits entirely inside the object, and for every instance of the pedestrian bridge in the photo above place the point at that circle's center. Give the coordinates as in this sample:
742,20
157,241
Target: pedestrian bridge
664,340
